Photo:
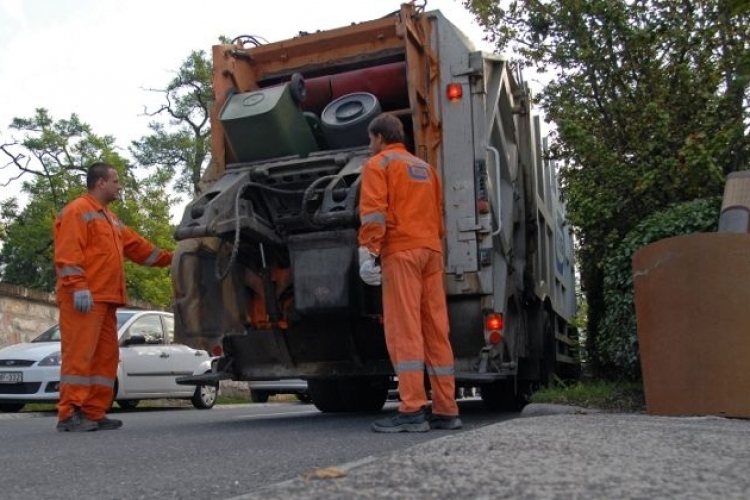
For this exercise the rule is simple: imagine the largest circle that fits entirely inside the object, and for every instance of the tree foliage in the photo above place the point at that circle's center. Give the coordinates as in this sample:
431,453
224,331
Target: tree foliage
50,159
618,342
650,103
180,140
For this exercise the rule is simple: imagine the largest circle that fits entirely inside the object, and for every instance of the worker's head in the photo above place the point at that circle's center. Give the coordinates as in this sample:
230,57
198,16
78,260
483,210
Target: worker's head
385,129
103,182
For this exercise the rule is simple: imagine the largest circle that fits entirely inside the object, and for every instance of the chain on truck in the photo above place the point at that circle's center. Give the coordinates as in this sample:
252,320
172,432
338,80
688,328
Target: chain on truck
265,272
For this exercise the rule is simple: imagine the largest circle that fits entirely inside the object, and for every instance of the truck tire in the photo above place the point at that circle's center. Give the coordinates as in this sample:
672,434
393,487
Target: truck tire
259,396
348,395
501,395
548,363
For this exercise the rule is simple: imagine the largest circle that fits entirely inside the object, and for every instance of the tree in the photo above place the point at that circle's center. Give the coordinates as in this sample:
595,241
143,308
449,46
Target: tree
650,103
181,146
50,161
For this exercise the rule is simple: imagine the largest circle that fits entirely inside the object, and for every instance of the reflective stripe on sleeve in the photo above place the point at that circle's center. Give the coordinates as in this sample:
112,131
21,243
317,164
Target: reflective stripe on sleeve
89,216
373,218
70,271
152,258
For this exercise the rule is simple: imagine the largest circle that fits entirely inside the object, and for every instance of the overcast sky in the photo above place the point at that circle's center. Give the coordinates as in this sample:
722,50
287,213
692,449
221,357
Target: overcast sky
96,57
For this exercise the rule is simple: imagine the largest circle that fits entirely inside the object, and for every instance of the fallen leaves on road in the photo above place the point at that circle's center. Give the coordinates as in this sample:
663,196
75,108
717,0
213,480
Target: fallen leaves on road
325,473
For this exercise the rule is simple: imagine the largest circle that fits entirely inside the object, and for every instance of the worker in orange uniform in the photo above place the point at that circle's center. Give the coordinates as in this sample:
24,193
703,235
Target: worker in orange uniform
401,212
91,244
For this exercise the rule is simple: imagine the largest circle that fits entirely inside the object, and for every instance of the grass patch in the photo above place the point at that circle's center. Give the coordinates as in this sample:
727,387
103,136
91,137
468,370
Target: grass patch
625,397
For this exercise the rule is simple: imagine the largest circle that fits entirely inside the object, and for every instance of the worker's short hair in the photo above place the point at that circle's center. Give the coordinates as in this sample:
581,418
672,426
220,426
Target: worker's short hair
97,170
388,126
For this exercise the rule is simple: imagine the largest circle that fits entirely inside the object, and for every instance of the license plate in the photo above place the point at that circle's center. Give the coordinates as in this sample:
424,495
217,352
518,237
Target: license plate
11,377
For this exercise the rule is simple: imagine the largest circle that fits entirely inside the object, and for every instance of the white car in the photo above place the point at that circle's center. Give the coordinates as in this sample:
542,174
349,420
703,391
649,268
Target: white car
150,361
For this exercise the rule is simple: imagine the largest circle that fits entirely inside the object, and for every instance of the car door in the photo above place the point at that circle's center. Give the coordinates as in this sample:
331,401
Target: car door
145,362
184,360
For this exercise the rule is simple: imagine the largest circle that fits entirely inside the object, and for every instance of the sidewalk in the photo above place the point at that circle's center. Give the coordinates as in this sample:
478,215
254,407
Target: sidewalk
560,453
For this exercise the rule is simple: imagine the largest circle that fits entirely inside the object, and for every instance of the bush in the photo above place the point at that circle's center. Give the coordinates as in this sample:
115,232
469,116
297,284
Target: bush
617,343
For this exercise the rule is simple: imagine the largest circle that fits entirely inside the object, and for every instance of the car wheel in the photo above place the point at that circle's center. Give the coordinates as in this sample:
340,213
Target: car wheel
204,397
258,396
11,407
128,404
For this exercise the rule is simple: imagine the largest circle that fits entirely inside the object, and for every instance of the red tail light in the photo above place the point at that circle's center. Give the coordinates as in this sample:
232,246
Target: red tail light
216,350
454,91
494,321
493,325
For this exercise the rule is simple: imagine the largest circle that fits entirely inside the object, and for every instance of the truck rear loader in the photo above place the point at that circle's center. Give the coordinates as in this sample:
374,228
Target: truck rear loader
266,272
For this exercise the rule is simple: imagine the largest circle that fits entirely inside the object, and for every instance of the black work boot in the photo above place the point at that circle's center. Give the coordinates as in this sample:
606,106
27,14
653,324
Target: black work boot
403,422
76,423
108,424
445,422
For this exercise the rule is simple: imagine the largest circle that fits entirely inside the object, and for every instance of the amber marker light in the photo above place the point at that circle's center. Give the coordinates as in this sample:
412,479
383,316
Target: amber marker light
454,91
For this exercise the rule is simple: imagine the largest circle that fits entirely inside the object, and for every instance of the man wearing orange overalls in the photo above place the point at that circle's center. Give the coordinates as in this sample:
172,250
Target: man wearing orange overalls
401,212
91,244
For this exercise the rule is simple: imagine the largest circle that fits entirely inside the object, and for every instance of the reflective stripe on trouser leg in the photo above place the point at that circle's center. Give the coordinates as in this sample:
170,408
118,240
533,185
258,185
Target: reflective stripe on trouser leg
402,292
79,336
103,367
439,360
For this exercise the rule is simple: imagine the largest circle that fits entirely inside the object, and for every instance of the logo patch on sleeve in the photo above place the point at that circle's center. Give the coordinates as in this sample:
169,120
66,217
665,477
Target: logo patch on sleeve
419,172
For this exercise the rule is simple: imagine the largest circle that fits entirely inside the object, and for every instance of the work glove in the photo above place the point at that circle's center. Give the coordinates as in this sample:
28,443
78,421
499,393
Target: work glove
82,301
369,269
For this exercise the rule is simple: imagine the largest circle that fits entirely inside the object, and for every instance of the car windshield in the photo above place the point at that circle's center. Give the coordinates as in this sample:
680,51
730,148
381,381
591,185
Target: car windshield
53,334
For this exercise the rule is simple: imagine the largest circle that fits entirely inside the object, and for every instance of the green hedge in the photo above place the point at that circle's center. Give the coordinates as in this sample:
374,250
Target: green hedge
618,340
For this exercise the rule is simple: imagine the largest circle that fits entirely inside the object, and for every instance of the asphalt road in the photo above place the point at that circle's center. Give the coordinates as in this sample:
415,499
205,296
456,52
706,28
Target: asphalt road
189,454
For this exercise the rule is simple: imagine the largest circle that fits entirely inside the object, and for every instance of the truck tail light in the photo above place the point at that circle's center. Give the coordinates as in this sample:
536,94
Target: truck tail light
493,326
454,91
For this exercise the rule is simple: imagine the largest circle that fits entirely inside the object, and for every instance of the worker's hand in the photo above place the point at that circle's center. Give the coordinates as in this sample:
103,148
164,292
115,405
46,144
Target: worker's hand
369,269
82,301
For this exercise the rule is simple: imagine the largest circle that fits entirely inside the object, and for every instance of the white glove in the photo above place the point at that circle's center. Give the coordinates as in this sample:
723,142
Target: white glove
369,269
82,301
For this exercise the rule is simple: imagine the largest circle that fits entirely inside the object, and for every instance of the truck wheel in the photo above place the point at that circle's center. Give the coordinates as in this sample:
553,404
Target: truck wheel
502,396
325,395
258,396
348,395
11,407
204,397
548,363
303,398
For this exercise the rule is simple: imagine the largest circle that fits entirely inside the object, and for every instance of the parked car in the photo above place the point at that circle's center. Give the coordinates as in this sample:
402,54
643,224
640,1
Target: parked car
149,363
261,390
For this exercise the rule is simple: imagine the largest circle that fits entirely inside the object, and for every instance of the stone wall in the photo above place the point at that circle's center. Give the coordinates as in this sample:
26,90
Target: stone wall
24,313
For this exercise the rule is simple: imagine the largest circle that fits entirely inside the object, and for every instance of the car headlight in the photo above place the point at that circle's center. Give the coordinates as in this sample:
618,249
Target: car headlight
51,360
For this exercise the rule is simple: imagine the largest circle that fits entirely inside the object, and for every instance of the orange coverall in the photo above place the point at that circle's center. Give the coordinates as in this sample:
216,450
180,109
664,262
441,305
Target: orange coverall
91,244
401,212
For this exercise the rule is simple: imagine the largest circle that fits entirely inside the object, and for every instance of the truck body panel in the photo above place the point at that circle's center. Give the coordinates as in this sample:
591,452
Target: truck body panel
266,266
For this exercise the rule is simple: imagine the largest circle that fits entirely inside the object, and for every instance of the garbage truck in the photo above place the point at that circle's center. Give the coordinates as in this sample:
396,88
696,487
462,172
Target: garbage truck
265,273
